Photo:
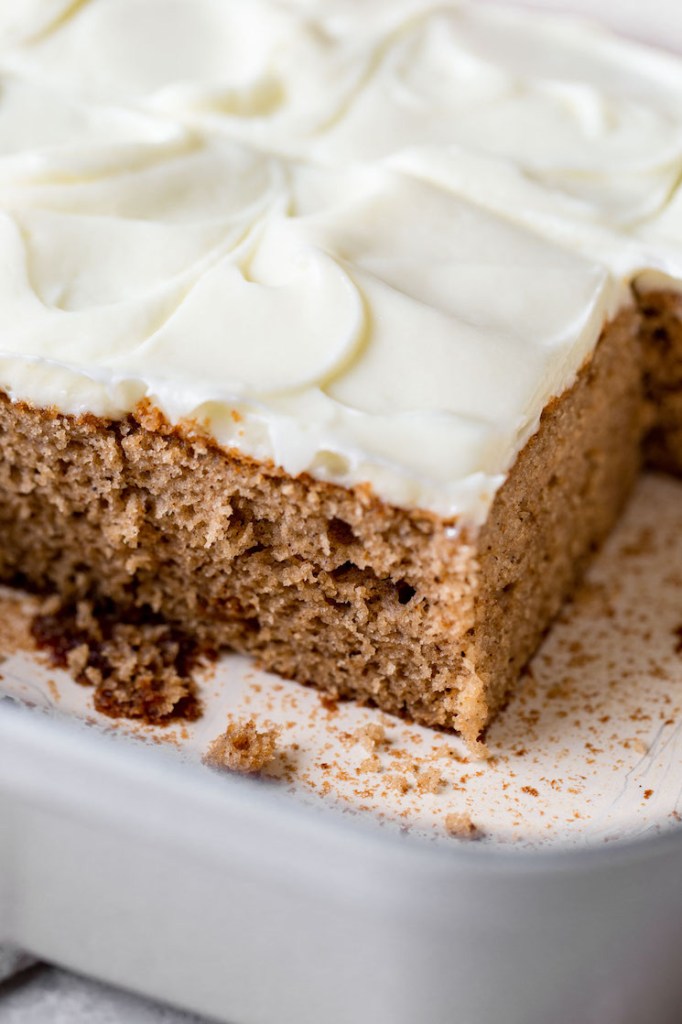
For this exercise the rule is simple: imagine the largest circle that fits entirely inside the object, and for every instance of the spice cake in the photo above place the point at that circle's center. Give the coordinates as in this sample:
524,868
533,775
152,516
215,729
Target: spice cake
329,334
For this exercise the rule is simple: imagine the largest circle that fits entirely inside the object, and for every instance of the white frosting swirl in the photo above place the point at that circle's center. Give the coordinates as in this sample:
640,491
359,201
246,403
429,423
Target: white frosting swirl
366,243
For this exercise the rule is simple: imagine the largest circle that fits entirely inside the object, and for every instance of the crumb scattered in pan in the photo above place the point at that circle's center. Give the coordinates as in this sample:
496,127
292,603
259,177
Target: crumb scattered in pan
446,752
370,764
461,826
77,660
54,691
429,780
638,745
398,783
478,751
329,703
243,747
139,666
15,633
372,737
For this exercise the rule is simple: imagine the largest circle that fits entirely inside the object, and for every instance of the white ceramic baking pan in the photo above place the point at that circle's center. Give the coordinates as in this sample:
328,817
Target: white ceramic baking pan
269,903
231,898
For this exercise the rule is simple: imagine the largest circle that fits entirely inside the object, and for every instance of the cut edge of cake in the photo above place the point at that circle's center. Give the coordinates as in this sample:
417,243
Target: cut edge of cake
322,584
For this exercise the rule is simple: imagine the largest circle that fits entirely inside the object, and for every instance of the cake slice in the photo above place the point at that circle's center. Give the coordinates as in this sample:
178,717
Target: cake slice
326,336
372,444
324,584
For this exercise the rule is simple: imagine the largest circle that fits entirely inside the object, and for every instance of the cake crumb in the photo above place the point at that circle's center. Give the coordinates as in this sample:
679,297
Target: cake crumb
15,633
430,780
50,605
461,826
398,783
371,736
243,747
140,666
370,764
478,750
77,659
446,752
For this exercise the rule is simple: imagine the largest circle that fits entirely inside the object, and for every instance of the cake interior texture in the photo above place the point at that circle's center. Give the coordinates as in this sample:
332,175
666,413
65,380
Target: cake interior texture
323,584
662,350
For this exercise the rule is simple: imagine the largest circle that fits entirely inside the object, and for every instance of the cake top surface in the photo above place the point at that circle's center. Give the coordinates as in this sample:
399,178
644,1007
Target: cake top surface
369,242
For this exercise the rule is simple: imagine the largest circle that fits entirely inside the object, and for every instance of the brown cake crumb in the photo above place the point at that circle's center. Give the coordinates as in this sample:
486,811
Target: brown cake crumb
398,783
370,764
639,745
243,747
371,736
329,703
139,666
461,826
446,752
430,780
14,628
77,660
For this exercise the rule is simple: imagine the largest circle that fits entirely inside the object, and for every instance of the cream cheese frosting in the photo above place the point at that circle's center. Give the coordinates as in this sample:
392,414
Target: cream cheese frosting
368,242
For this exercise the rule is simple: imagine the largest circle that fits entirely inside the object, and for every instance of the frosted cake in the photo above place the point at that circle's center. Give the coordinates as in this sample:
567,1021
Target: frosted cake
331,333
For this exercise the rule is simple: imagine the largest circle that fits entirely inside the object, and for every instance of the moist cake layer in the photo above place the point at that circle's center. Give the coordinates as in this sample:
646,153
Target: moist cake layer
323,584
661,334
